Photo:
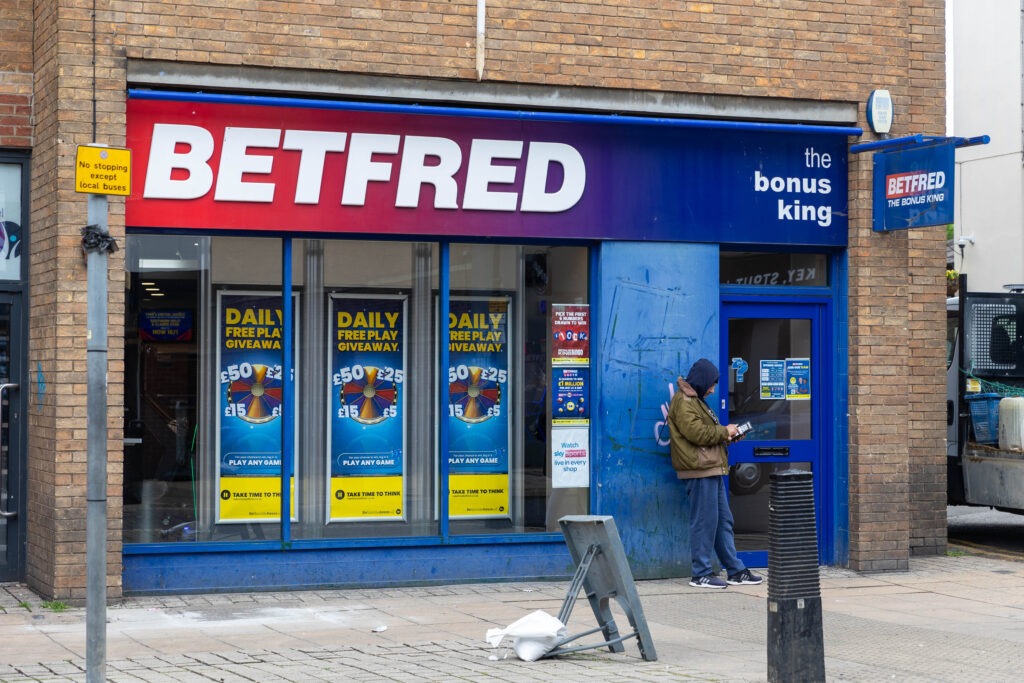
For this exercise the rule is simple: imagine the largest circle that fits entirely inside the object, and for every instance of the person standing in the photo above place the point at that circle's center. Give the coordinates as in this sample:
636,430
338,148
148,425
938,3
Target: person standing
699,443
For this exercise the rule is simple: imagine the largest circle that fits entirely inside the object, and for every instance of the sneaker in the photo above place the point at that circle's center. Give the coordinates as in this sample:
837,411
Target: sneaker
745,577
709,581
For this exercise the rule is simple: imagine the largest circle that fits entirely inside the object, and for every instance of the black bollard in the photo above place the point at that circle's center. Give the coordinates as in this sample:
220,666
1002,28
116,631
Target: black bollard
796,652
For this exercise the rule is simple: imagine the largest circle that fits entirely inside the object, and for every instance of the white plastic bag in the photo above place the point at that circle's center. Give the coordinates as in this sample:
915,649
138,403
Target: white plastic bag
533,636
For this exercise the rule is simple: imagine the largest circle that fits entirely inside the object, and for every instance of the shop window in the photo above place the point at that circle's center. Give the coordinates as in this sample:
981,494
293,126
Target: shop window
204,399
772,269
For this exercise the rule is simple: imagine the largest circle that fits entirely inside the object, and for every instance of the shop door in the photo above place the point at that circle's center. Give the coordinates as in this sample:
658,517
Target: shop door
12,446
774,377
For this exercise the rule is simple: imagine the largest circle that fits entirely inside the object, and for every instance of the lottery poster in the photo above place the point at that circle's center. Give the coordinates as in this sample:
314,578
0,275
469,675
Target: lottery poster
250,352
570,333
367,415
570,396
478,418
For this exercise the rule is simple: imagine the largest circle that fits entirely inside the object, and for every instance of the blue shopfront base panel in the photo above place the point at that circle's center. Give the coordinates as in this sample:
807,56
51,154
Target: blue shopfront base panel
270,568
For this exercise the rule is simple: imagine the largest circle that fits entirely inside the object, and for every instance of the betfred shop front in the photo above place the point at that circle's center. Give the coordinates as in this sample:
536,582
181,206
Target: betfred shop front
387,344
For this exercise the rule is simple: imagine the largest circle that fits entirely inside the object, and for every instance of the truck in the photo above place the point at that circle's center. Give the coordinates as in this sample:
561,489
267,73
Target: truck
985,365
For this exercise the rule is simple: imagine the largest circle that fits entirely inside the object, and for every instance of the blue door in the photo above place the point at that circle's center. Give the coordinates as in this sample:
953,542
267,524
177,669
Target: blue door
774,375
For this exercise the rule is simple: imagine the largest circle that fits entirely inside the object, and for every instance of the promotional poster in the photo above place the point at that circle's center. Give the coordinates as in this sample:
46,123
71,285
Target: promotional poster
367,415
570,394
249,361
478,417
570,332
570,457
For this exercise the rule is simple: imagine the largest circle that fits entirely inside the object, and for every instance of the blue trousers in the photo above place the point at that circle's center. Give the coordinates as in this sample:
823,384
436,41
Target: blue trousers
711,527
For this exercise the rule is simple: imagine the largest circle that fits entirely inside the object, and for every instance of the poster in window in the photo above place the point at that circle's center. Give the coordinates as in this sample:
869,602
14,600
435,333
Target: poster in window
773,379
165,326
478,415
798,379
570,396
250,353
570,457
366,431
570,334
11,220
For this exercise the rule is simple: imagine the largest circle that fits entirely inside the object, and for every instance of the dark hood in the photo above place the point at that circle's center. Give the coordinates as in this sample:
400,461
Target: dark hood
702,376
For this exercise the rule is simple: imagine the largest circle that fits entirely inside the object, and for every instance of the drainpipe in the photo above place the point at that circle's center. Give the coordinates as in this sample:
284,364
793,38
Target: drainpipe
481,21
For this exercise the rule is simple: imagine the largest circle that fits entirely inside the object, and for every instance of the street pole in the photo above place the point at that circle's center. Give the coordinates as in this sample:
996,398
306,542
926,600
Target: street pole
97,243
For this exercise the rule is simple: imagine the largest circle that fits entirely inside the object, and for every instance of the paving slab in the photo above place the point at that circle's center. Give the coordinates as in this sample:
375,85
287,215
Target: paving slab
950,618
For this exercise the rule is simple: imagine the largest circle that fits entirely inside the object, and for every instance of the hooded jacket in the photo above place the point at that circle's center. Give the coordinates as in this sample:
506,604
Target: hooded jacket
697,440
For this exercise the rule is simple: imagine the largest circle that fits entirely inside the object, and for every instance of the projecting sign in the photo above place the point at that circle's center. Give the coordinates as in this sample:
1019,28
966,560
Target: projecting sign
913,187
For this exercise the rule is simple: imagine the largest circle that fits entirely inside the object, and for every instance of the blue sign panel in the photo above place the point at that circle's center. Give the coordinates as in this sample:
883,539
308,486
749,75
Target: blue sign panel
458,172
913,187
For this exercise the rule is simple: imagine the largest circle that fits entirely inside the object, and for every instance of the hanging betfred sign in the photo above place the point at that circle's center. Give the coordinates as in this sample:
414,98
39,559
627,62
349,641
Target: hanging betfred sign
221,163
913,186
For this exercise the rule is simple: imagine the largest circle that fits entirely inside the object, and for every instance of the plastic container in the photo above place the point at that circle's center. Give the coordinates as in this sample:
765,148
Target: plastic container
1011,424
985,417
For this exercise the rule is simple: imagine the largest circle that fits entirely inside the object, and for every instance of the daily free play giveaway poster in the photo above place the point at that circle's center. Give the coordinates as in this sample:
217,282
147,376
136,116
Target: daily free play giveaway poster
478,418
250,354
367,418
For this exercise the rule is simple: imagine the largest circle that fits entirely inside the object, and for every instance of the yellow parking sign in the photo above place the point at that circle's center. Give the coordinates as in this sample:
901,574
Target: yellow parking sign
103,170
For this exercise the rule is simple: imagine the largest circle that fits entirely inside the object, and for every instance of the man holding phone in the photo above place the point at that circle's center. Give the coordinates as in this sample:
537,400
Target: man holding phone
700,457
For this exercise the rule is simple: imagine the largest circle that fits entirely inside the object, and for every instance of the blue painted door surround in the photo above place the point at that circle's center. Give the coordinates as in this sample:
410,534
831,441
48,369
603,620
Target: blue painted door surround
658,313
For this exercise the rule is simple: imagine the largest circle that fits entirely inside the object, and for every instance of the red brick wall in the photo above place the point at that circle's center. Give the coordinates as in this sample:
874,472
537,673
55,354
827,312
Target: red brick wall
897,333
16,73
802,49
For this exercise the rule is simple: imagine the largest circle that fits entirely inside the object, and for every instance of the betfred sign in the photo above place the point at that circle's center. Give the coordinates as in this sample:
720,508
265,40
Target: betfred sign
913,187
220,163
181,166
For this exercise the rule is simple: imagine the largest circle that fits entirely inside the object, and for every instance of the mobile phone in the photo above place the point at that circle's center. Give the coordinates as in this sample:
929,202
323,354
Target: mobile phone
742,429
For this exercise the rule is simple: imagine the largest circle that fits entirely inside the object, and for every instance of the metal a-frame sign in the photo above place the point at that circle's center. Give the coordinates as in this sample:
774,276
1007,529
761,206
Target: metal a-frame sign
604,574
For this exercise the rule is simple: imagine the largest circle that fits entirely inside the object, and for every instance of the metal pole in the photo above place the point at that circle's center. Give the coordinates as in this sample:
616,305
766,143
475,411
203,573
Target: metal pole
96,242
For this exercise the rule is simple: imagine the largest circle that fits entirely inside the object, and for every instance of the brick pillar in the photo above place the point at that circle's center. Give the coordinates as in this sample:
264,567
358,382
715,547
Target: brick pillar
897,333
927,289
55,553
879,442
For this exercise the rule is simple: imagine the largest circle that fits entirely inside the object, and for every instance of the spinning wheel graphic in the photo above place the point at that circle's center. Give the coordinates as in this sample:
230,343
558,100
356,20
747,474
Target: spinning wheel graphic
258,394
370,395
476,396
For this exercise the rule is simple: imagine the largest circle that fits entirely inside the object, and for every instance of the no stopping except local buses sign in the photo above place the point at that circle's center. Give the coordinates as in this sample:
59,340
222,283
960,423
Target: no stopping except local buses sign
103,170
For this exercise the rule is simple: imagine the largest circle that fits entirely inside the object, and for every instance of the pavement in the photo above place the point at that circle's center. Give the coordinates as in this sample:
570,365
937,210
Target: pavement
958,617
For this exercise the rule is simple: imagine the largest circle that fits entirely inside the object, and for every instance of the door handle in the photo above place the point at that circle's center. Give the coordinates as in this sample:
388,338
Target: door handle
7,514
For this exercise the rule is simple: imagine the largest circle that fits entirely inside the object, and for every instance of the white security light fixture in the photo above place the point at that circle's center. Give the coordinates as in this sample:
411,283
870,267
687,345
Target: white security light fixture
880,111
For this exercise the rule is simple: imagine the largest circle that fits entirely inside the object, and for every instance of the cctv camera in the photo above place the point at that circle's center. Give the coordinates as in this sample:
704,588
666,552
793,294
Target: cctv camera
962,242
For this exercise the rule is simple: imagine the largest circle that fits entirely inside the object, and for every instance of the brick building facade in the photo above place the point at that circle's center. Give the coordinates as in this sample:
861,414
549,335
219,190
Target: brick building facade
64,75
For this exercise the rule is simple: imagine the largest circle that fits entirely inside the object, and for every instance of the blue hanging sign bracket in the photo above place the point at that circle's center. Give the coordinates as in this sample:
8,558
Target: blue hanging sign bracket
912,182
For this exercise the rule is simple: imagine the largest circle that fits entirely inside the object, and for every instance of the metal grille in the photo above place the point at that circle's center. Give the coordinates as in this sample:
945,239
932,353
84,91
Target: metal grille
989,330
